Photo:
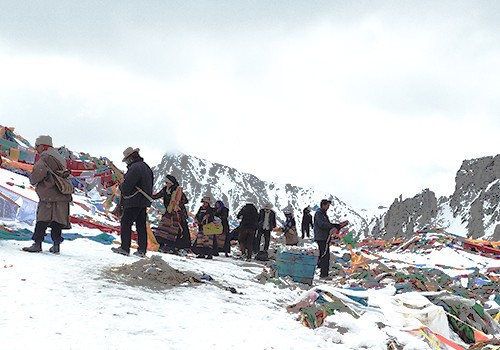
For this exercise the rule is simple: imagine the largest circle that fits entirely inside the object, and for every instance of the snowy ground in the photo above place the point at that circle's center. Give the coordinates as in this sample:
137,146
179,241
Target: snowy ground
63,302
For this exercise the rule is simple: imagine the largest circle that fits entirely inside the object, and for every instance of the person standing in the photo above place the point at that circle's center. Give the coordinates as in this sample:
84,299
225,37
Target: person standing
224,239
136,190
248,225
290,228
267,221
205,243
53,205
322,227
174,200
307,222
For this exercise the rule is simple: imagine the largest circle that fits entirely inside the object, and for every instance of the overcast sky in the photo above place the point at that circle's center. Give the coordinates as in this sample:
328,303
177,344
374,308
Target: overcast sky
366,100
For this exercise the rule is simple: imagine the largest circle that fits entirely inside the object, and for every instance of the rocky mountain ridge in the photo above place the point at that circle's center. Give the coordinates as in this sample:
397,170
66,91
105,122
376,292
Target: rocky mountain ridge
473,210
200,177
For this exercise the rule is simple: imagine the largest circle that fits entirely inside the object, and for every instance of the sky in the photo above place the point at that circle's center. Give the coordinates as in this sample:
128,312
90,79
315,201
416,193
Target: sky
367,100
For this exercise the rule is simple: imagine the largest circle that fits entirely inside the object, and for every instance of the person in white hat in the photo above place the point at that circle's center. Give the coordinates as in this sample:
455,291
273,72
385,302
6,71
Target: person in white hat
53,205
136,191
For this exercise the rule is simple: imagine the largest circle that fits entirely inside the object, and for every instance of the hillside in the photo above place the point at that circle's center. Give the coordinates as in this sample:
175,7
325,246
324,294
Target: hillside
200,177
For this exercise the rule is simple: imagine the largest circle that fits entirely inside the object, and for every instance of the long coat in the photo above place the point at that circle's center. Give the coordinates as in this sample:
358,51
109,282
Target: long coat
307,219
223,214
183,240
249,217
167,196
53,206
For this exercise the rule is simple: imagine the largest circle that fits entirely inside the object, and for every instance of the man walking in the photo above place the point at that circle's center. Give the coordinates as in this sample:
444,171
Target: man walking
136,190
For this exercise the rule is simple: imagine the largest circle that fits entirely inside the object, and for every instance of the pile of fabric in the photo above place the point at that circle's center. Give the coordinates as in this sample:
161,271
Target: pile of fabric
442,320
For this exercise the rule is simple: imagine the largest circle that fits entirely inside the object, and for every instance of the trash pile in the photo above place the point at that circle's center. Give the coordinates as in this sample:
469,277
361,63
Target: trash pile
445,306
153,273
441,320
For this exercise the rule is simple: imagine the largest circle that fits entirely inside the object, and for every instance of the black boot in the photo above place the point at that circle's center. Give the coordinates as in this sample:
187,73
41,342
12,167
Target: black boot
36,247
55,248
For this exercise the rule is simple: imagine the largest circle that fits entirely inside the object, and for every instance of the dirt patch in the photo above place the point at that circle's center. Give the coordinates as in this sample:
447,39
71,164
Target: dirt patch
153,273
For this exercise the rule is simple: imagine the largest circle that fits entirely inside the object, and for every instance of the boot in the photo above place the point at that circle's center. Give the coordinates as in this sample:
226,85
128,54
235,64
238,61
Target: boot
36,247
55,248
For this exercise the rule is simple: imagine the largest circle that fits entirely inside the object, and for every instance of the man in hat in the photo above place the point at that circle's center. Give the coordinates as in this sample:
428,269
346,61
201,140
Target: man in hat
53,206
307,221
136,190
267,221
248,225
322,227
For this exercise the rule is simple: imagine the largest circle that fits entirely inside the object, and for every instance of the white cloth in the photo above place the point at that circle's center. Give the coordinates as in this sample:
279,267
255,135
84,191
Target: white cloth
266,225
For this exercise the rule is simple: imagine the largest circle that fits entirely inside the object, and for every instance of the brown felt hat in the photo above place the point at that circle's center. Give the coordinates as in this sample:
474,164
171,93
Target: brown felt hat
129,151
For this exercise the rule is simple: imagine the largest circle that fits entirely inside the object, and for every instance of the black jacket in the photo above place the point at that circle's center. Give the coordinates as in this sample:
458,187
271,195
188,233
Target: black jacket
167,196
138,174
249,217
322,226
307,219
289,223
222,214
201,214
272,219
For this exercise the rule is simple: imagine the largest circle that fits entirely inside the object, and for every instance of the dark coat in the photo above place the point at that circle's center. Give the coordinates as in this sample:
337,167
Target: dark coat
138,174
167,196
307,219
322,226
272,219
210,211
289,223
249,217
223,214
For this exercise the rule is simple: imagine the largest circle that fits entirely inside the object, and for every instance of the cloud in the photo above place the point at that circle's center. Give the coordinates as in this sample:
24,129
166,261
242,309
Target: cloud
367,100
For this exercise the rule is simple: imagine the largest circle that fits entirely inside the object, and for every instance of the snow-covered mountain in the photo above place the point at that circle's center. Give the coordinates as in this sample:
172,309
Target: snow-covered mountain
200,177
473,210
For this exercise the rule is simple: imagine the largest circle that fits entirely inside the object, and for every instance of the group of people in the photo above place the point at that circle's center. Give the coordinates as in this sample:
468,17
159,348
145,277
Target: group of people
213,236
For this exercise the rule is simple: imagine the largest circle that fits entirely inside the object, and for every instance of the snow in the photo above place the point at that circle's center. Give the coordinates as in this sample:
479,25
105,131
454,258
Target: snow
76,300
69,302
452,224
65,301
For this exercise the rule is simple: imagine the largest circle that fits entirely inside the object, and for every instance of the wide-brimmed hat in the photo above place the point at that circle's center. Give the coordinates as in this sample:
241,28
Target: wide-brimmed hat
129,151
43,140
268,205
206,199
249,200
